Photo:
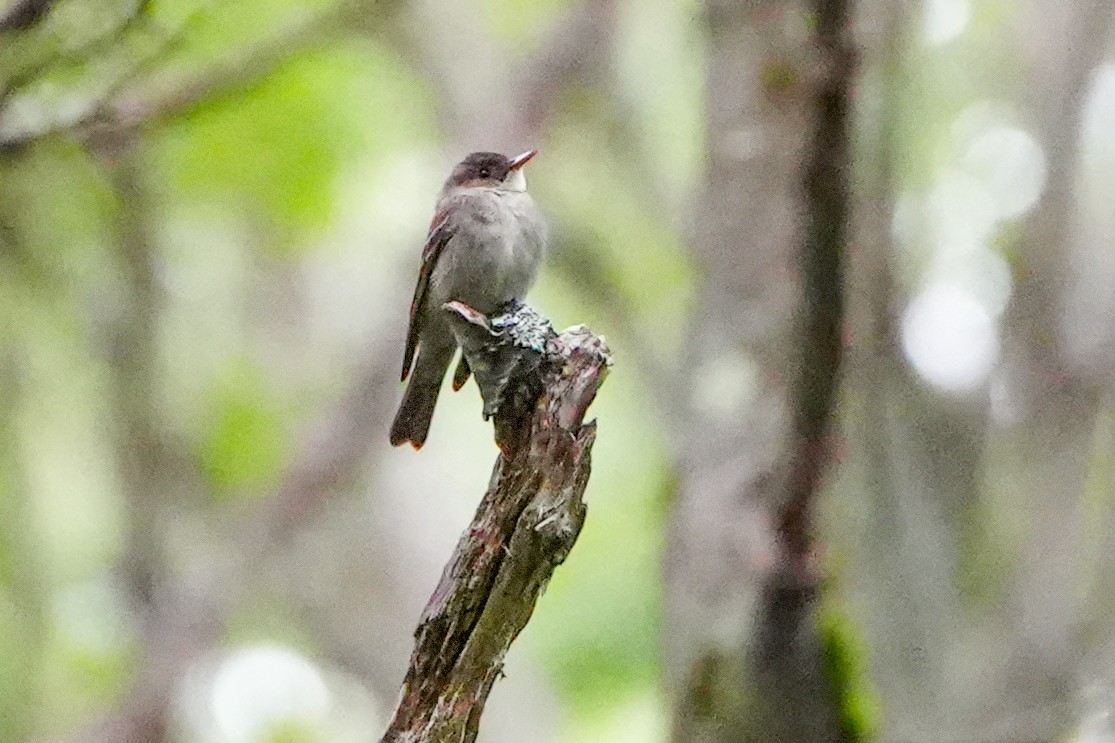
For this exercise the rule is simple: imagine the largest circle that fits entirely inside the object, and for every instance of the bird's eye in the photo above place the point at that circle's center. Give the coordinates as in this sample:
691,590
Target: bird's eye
485,172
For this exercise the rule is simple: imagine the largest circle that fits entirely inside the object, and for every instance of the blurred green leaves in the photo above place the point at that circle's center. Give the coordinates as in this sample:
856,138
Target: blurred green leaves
246,443
514,20
21,605
290,731
20,646
90,653
597,629
54,206
636,265
254,169
278,149
210,29
845,658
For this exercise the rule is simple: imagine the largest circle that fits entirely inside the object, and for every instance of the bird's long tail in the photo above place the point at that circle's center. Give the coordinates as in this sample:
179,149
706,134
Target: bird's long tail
412,422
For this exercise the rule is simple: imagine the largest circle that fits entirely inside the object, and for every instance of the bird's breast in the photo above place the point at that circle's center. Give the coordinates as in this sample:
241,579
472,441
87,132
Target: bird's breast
494,254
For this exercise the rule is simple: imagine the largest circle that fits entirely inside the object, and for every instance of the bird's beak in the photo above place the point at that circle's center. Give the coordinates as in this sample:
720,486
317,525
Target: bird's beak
521,160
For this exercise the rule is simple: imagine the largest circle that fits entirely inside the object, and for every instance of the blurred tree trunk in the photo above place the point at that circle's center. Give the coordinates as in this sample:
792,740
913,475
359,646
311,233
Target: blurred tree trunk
745,656
920,452
153,478
146,474
1056,398
949,665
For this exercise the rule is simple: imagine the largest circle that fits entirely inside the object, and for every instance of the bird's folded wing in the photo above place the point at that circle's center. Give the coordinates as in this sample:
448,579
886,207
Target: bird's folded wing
441,230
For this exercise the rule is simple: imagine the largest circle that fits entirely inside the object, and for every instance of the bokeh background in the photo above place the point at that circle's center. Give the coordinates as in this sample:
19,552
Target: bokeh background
211,214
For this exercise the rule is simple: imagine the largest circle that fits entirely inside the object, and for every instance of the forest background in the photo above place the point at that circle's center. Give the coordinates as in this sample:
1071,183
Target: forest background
211,214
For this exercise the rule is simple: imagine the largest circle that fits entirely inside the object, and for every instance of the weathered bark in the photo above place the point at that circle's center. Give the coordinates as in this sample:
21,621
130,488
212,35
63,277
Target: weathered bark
745,655
524,527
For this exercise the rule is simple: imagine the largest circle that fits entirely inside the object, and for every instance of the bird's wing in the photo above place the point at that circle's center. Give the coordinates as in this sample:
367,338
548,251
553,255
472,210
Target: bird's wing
441,229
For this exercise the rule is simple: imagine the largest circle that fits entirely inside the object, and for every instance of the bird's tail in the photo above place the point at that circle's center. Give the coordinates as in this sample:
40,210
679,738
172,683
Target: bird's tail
412,422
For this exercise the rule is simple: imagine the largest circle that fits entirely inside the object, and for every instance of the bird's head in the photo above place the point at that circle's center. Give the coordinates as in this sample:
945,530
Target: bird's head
491,170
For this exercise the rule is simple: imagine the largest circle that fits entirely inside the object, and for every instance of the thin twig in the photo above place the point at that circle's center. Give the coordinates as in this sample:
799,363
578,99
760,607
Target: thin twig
73,57
230,75
25,14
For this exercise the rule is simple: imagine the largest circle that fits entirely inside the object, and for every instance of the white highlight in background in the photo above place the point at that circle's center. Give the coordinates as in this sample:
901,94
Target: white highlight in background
944,20
981,273
960,212
950,338
259,688
1011,165
729,382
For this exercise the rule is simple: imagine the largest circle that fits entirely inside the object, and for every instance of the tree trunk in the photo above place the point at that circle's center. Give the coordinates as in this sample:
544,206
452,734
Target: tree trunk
746,657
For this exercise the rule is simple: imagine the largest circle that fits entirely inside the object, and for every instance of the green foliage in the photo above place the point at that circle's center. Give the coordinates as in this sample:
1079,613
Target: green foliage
20,647
641,254
597,628
97,673
638,719
660,98
845,659
515,20
70,28
985,562
778,76
246,443
57,205
268,620
208,30
90,653
1098,494
21,603
279,147
290,731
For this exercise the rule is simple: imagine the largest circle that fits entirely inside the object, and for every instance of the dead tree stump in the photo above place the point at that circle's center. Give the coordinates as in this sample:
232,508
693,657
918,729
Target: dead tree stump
536,385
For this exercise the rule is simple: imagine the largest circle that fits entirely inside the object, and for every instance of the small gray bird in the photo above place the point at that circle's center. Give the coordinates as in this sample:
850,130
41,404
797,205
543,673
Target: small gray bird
484,249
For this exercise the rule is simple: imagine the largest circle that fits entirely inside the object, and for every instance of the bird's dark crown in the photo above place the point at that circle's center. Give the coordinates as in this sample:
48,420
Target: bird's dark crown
480,166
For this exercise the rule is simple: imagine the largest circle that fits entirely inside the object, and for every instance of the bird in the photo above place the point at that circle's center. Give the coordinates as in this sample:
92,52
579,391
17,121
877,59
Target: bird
484,249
